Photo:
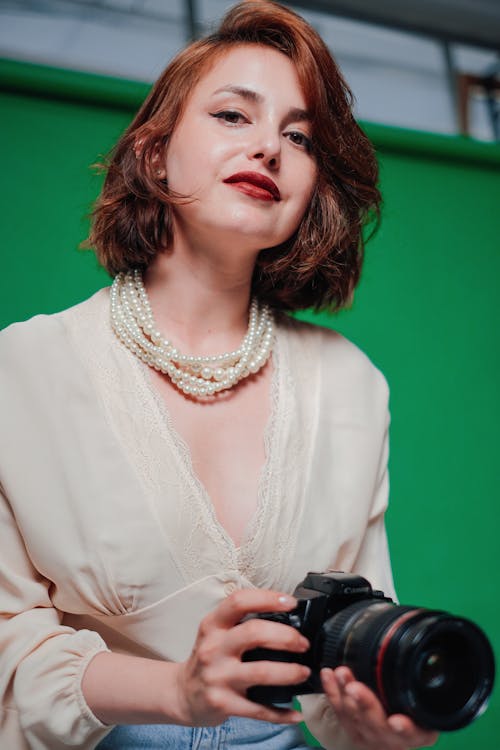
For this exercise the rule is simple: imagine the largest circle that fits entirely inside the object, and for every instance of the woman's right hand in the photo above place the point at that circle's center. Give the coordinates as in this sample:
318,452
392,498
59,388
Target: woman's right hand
212,683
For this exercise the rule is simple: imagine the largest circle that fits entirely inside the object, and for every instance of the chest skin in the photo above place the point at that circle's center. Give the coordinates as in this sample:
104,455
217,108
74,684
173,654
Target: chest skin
225,437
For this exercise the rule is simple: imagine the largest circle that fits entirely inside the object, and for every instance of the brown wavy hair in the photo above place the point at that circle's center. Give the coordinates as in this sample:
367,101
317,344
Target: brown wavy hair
318,266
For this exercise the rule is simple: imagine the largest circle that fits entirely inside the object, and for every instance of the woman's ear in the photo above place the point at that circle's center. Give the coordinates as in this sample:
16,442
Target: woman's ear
138,146
158,164
157,156
159,168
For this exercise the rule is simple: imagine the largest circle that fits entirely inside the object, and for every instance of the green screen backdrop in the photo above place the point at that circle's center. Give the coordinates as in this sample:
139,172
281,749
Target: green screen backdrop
426,312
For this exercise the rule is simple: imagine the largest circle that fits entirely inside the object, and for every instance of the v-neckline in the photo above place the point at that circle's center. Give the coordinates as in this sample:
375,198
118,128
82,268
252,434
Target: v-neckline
242,551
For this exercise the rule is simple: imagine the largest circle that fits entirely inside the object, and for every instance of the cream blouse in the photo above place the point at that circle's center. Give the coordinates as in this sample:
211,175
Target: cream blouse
108,540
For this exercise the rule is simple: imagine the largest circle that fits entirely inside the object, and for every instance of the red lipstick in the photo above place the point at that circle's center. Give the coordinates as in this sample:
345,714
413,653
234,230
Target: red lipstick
255,184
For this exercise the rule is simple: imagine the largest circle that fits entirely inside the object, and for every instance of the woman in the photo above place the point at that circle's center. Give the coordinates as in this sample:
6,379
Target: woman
152,499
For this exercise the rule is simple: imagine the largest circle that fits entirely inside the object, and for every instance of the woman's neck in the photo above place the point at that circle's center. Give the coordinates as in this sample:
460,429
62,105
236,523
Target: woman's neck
200,300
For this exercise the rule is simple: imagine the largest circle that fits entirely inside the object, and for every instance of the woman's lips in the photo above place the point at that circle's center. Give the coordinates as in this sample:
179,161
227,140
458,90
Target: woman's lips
255,184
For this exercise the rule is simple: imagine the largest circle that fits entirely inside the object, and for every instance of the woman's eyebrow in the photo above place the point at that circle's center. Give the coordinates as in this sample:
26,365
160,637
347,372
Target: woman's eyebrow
242,91
296,114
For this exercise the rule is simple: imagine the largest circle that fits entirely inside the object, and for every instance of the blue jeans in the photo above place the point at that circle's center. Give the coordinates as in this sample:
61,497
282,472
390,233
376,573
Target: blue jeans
235,733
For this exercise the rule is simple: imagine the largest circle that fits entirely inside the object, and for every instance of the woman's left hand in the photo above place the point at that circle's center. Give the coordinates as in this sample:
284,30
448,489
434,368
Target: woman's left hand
364,719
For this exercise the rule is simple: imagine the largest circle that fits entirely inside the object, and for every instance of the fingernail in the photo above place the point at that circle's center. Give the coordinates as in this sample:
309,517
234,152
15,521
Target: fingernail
287,601
398,725
352,691
327,676
304,644
341,678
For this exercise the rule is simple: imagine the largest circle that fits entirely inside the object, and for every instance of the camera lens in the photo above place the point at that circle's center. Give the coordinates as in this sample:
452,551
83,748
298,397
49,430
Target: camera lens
432,670
445,677
430,665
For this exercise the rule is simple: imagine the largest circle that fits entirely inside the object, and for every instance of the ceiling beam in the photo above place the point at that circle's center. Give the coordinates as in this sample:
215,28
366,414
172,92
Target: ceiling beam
192,22
471,23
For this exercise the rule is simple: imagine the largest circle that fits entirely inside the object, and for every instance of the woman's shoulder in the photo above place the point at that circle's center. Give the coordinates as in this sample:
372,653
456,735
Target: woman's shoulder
43,334
339,360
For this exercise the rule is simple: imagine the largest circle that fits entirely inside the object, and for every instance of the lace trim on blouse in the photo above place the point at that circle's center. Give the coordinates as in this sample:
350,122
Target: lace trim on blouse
162,460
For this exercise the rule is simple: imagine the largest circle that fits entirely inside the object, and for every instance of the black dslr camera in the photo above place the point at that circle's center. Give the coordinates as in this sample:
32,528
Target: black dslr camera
434,667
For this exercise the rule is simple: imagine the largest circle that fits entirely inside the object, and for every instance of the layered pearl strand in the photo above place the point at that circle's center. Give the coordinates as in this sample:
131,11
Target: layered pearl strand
132,321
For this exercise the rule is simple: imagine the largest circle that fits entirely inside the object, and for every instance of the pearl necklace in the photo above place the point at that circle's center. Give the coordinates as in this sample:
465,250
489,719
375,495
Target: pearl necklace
132,321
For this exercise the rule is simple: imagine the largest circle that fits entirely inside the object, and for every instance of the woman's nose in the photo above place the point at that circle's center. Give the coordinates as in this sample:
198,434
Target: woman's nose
266,148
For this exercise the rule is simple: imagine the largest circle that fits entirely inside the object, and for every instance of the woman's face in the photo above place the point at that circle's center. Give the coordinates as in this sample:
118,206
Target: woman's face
242,150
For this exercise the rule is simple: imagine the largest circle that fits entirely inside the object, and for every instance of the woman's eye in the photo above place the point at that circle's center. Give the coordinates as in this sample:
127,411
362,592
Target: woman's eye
299,139
229,116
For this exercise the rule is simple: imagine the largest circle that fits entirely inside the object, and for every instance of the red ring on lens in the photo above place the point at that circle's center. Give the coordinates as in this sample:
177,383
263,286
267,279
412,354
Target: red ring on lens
383,648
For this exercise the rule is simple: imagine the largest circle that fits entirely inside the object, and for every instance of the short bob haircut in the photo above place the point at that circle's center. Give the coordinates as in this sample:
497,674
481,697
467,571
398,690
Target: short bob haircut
318,266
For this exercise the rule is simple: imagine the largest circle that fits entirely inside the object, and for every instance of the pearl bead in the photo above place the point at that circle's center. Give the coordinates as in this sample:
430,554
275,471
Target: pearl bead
133,323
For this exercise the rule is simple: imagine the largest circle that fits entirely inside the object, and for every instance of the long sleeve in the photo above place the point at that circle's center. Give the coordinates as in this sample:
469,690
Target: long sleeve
41,662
